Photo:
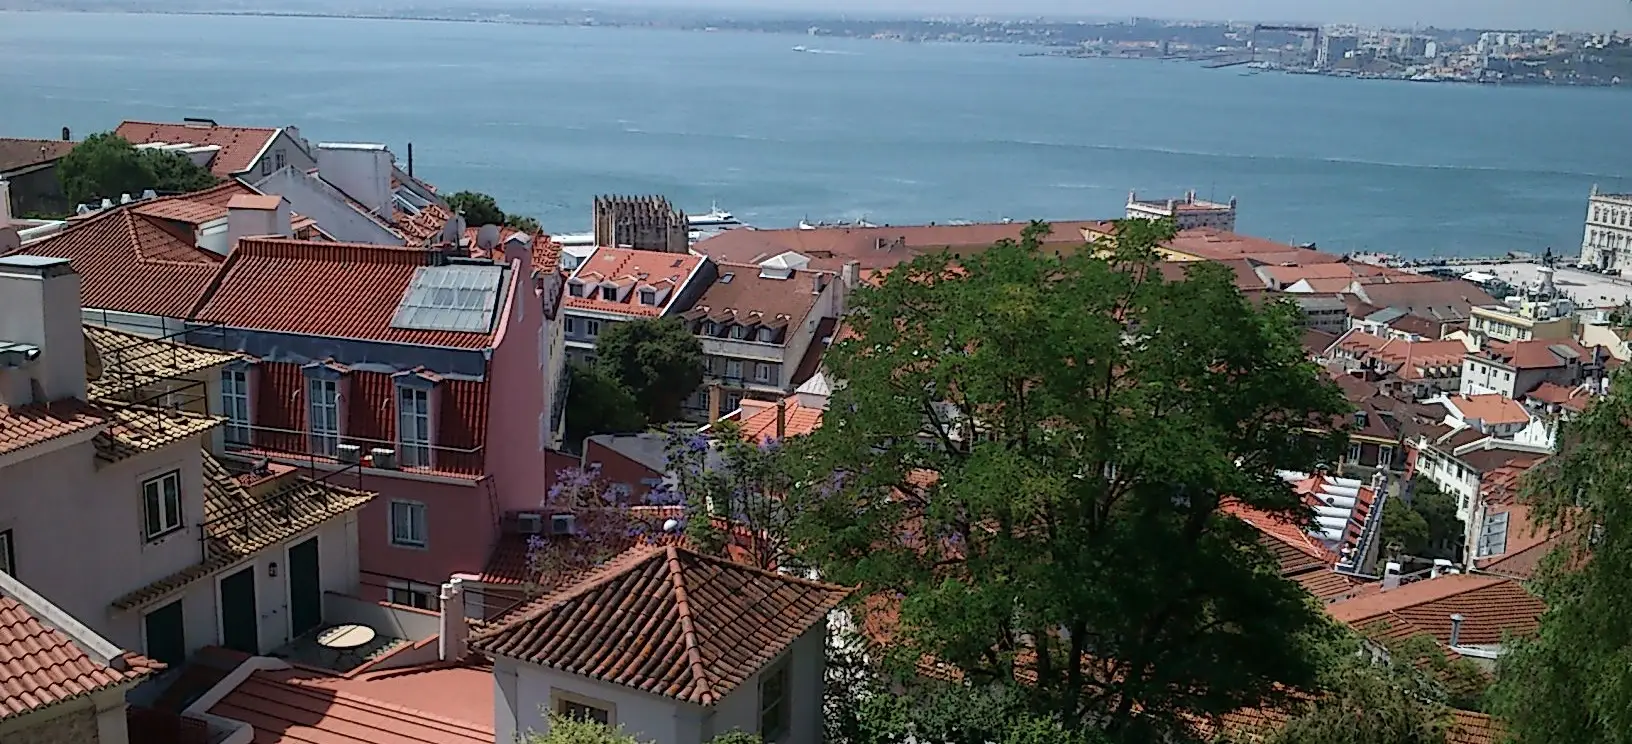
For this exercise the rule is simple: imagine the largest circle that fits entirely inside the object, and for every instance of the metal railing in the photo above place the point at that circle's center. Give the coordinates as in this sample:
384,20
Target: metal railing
276,512
298,444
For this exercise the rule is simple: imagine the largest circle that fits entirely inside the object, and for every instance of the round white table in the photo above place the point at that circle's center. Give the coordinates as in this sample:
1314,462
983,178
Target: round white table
345,639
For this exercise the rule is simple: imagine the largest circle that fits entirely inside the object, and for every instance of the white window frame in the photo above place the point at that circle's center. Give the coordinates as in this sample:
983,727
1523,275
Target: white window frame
739,331
406,592
610,294
562,701
413,451
235,405
710,328
776,672
729,375
648,297
592,327
575,289
570,325
8,552
280,158
1354,452
762,372
324,440
161,508
415,532
767,335
1385,456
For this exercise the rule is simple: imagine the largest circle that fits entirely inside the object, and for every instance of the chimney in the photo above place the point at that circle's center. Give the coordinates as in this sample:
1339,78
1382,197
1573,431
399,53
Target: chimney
1170,204
39,307
1441,567
1190,196
714,401
452,629
851,274
818,282
1391,576
410,160
254,215
1456,630
781,419
362,171
67,136
5,203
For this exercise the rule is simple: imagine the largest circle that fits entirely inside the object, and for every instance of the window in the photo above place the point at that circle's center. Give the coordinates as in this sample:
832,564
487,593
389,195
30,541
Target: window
408,524
323,414
413,594
266,167
571,326
583,710
8,553
773,703
1354,453
609,293
767,335
648,297
235,404
1385,456
738,331
710,328
592,328
575,289
733,369
762,372
414,427
280,158
161,504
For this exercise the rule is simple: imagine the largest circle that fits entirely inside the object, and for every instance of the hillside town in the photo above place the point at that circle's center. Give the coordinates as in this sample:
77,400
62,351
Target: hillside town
317,453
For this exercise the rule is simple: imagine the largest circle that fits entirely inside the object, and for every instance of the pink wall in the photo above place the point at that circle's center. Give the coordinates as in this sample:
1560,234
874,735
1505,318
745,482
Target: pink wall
460,524
515,453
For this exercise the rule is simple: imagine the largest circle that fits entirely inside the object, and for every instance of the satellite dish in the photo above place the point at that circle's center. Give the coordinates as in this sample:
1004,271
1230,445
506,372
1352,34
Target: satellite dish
672,525
487,238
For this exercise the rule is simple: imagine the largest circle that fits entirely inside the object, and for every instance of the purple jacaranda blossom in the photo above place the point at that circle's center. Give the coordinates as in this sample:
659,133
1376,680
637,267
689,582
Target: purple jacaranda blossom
697,443
665,495
770,444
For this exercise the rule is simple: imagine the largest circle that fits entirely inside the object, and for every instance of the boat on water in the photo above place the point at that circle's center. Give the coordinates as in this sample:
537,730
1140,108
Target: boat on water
801,48
822,225
715,219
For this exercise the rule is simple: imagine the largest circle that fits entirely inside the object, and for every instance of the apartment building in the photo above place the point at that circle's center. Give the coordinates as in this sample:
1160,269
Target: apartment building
757,322
227,151
116,508
1407,369
1514,368
1188,212
617,285
359,195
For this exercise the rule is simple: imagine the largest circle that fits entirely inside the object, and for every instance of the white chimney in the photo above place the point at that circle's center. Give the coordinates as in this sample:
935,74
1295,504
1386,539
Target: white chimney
362,171
1442,566
5,203
1391,576
39,307
255,215
452,629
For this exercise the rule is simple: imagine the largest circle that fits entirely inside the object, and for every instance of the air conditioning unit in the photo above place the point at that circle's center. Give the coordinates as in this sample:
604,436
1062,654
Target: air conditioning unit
349,454
562,524
529,524
384,458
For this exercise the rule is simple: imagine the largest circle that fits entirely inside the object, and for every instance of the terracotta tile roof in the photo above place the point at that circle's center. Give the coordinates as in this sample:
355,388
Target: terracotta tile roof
631,269
1439,300
1315,343
422,227
240,146
1569,398
126,361
1325,583
135,264
1344,272
16,154
284,712
667,621
134,429
1409,360
1291,542
26,426
1491,606
1218,245
1536,354
567,559
239,523
750,299
1467,727
42,665
797,420
1491,408
876,247
339,290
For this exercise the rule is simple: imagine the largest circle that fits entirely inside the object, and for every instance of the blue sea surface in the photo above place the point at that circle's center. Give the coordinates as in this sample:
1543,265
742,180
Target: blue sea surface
544,118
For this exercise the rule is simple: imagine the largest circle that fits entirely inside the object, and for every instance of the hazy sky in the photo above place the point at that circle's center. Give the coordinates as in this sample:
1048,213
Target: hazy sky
1547,14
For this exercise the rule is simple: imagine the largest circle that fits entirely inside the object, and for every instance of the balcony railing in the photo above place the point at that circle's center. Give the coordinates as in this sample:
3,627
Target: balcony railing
313,450
743,349
272,515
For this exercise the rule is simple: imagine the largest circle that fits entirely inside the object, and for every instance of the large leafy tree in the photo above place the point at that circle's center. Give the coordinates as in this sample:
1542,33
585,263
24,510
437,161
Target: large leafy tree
481,209
1362,702
1573,680
105,166
1030,463
657,359
597,403
742,486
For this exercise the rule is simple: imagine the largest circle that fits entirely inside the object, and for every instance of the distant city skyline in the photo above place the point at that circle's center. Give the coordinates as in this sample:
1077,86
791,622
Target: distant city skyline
1568,15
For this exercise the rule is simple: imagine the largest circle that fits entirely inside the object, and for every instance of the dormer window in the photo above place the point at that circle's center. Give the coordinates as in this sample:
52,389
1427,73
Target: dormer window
739,331
767,335
710,328
575,289
609,294
648,297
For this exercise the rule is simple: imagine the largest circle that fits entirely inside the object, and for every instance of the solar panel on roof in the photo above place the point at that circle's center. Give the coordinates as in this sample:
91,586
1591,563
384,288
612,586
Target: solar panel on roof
450,298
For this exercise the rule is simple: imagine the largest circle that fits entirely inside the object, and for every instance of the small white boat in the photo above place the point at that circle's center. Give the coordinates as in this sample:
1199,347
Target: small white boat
800,48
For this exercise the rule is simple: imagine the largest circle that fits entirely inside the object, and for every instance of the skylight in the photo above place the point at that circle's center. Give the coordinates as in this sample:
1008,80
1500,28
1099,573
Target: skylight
451,298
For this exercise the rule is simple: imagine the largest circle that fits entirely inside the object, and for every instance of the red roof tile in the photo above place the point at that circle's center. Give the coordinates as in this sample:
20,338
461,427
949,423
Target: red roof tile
1219,245
240,146
1574,399
797,420
1535,354
290,713
748,298
1491,408
40,665
339,290
1491,606
877,247
26,426
667,621
627,267
133,264
16,154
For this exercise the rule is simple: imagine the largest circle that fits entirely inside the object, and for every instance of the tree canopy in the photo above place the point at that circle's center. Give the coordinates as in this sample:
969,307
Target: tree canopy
1573,680
481,209
597,403
745,484
1031,460
105,166
656,359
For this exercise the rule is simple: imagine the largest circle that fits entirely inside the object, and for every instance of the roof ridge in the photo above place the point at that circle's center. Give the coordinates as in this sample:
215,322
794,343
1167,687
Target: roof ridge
688,628
778,575
594,578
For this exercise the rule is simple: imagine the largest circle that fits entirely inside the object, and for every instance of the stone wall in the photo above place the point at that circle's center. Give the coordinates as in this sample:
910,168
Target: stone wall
78,727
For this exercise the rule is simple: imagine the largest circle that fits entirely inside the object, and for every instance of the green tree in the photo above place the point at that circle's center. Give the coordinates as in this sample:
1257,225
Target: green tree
565,730
1438,511
598,404
1366,703
172,172
102,167
523,223
736,736
747,483
1573,681
479,209
1032,456
1404,529
105,166
657,359
908,711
